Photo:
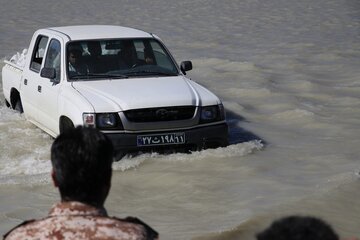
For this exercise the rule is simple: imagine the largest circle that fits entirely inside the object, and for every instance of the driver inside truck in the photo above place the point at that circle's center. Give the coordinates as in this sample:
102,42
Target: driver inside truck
76,66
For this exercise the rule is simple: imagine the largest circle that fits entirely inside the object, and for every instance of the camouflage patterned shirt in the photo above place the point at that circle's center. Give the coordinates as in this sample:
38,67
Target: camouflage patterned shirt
75,220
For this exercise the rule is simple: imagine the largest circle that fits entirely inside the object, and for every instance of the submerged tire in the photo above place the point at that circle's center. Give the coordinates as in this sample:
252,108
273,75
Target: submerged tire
118,155
7,103
18,106
65,124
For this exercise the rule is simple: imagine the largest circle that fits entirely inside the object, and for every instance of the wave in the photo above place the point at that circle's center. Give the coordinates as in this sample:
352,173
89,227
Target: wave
19,58
33,166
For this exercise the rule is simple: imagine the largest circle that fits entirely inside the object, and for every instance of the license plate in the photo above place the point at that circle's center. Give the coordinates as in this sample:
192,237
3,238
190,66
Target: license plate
161,139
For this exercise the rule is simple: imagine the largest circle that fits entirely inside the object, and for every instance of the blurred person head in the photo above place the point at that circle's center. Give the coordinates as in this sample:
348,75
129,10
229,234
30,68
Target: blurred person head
94,48
149,56
74,56
127,53
82,165
298,228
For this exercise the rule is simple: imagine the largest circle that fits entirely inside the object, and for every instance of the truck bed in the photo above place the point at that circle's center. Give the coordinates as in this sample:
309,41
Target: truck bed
11,78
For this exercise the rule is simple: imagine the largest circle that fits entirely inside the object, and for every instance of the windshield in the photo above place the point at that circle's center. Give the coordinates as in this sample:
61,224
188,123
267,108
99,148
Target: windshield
118,58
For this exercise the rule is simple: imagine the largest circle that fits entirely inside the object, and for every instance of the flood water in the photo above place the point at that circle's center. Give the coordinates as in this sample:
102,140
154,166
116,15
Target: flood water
288,73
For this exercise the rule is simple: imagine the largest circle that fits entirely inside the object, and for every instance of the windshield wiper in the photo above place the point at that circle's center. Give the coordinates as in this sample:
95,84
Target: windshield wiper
98,75
150,73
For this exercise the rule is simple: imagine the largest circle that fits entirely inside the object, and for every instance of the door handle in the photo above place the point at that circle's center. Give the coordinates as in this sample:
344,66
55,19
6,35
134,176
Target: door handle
39,88
25,81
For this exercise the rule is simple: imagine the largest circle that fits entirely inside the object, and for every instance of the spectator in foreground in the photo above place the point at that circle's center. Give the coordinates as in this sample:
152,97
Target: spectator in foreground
298,228
81,160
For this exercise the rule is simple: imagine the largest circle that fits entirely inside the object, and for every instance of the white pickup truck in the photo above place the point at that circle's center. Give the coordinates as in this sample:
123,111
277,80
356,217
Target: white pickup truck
120,80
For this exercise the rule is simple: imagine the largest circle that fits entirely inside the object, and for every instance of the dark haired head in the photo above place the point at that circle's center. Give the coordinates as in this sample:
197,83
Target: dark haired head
298,228
81,160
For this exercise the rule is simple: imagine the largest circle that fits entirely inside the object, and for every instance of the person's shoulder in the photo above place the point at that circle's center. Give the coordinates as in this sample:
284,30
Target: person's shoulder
127,228
17,229
148,231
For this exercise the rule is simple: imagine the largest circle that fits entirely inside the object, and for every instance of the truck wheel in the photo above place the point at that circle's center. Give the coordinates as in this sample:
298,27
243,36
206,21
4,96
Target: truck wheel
18,106
7,103
65,124
118,155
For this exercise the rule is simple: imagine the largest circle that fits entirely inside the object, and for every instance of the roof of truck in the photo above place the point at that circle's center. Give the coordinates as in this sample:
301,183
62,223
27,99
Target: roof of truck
82,32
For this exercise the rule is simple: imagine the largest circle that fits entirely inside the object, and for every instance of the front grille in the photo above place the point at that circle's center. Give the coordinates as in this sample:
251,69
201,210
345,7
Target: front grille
160,114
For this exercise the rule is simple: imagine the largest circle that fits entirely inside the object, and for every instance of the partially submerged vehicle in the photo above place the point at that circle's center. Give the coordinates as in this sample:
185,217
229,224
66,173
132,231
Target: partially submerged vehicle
120,80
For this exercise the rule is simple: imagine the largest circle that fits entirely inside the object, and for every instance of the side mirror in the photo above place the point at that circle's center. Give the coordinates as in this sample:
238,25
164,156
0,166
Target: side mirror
48,73
51,74
185,66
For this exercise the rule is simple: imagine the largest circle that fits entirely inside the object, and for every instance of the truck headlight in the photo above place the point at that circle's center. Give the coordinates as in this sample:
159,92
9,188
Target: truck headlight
212,113
102,120
108,121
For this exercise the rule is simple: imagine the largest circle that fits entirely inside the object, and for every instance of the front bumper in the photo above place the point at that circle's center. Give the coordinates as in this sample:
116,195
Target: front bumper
202,137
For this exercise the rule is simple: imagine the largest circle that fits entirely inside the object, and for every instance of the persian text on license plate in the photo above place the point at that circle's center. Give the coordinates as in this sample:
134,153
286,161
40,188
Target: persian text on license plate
161,139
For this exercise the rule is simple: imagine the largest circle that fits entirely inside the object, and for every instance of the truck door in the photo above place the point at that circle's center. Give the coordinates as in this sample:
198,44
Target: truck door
48,89
29,86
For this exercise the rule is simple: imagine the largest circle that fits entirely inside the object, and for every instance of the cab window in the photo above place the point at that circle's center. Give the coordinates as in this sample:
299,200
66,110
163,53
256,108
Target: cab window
53,57
38,53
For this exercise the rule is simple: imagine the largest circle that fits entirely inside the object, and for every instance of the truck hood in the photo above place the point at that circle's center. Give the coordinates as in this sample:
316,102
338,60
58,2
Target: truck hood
134,93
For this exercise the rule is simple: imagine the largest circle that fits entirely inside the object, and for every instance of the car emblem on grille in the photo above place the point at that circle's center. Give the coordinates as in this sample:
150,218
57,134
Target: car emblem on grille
162,113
